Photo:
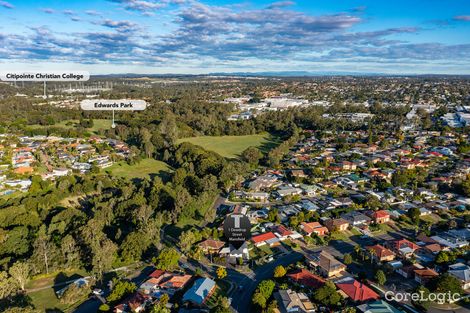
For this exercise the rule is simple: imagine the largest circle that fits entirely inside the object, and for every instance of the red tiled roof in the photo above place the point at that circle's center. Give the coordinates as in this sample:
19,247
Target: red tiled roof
309,227
263,237
381,251
426,273
137,300
357,291
281,230
212,244
336,222
380,214
157,273
402,243
306,278
176,282
434,247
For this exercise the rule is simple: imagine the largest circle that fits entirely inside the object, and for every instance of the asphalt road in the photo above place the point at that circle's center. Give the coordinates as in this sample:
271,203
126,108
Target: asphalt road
241,298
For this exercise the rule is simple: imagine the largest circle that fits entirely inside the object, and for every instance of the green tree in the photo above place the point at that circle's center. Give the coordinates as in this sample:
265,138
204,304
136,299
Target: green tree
263,293
251,155
327,295
167,259
221,272
7,285
466,186
121,288
447,283
187,240
20,273
423,304
414,214
103,255
444,257
74,294
279,271
160,305
259,299
380,277
347,259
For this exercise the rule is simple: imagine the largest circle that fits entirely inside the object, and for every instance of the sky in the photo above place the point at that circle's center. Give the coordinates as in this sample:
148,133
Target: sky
207,36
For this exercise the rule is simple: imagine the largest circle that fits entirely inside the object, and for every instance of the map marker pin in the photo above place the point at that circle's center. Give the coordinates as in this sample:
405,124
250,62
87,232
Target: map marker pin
237,229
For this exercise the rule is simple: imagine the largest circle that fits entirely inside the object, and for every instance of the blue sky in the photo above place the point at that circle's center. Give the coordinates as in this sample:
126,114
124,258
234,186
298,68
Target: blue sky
203,36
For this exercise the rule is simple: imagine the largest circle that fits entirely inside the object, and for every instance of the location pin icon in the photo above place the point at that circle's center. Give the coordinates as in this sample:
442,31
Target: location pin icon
237,229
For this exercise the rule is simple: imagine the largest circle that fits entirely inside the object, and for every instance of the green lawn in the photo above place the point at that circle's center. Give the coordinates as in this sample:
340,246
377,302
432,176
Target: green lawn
143,169
97,124
232,146
45,299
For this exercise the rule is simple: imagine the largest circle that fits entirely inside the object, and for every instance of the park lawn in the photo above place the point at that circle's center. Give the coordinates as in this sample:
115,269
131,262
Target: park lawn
97,124
101,124
233,146
56,277
144,169
46,299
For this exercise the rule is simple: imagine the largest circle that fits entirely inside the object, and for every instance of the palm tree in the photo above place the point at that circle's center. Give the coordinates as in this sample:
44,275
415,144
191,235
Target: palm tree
372,254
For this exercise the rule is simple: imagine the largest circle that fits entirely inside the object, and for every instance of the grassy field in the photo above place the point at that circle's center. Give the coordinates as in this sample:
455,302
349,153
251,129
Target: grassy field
97,124
232,146
143,169
46,299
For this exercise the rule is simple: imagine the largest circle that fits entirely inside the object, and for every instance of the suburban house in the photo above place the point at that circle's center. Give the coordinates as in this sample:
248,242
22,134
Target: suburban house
402,247
380,217
285,191
233,254
306,279
356,218
337,224
202,289
267,238
291,301
135,303
162,281
462,273
424,275
379,253
298,173
314,227
348,166
433,248
356,291
211,245
256,196
283,233
263,182
408,271
328,266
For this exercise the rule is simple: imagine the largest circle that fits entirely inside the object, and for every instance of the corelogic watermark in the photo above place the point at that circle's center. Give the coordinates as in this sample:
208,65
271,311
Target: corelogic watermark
421,296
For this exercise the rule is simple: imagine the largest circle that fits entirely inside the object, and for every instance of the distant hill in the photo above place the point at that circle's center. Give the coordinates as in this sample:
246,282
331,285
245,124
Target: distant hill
272,74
